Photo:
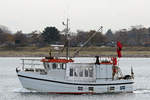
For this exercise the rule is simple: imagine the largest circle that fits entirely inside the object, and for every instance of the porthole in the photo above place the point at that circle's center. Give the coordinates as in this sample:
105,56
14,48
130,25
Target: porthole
91,88
122,87
80,88
112,88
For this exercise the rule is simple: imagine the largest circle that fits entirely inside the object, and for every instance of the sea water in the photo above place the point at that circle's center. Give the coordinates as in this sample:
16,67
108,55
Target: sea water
11,89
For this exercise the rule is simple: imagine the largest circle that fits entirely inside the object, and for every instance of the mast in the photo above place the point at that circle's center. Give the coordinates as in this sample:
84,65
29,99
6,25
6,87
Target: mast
67,36
66,30
67,42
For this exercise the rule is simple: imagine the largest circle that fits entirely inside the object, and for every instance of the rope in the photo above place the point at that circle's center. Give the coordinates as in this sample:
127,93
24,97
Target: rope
77,51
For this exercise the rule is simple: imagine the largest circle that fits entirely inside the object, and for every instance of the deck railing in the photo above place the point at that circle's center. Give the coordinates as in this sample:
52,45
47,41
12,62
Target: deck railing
32,64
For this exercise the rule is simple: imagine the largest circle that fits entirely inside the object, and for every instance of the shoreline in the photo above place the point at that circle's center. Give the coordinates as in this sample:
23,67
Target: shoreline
124,56
139,52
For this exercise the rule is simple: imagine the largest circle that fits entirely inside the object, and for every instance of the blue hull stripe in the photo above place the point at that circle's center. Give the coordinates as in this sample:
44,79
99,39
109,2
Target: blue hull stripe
74,83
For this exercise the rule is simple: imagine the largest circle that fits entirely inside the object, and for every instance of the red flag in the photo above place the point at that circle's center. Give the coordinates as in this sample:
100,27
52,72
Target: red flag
119,48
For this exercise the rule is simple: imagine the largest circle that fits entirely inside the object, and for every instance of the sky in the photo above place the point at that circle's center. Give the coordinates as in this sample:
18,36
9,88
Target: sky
31,15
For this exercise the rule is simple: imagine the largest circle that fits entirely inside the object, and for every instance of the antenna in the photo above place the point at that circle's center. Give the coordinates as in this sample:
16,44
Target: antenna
67,37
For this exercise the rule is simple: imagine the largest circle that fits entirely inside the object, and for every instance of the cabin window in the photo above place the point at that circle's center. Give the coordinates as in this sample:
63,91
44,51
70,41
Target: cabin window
64,66
91,88
44,64
90,72
81,73
122,87
86,72
61,66
75,74
58,66
54,65
48,66
71,71
80,88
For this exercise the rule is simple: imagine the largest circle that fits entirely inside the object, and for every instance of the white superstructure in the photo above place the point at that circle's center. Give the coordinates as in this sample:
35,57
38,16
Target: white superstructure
64,76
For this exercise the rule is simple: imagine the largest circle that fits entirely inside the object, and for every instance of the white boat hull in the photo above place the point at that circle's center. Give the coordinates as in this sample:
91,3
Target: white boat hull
54,86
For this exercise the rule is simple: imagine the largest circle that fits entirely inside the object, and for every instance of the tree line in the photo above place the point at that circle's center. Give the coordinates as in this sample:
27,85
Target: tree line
136,36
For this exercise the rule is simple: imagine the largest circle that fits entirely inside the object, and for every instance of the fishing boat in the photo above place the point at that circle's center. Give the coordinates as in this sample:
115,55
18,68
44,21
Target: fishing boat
66,76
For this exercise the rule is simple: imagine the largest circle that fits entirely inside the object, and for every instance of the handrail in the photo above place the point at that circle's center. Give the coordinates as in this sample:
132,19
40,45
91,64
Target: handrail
31,63
32,59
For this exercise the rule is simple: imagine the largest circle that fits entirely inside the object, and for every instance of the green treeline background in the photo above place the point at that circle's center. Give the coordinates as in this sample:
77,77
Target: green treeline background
135,36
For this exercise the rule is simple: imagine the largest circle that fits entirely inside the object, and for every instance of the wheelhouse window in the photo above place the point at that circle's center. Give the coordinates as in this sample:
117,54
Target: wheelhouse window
75,74
71,71
86,72
47,66
81,72
90,72
54,66
62,66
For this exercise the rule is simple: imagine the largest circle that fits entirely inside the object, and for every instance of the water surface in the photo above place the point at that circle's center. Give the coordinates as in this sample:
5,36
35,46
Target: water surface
11,89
